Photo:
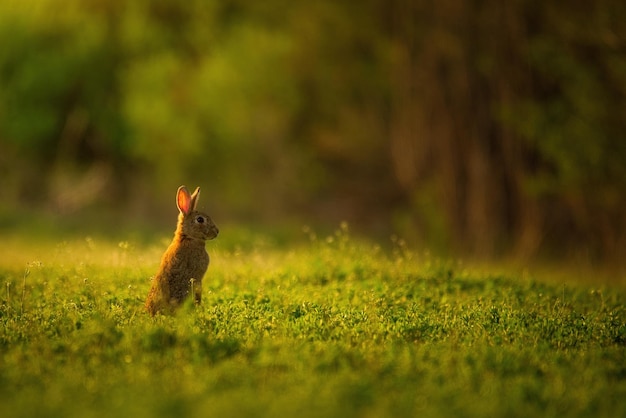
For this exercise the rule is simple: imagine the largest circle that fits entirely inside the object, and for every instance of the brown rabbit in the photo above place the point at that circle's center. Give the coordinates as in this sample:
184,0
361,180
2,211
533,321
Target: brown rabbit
184,263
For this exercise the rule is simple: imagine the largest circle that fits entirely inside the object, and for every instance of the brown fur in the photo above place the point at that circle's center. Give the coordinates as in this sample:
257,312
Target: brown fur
185,261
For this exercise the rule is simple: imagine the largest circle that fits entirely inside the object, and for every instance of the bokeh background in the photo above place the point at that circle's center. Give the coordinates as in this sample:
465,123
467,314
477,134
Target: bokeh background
479,128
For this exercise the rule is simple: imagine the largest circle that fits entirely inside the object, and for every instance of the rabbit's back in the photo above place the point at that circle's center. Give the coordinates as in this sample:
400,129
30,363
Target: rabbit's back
181,264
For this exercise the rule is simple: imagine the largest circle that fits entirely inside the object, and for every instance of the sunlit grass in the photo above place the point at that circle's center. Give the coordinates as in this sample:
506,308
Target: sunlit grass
335,327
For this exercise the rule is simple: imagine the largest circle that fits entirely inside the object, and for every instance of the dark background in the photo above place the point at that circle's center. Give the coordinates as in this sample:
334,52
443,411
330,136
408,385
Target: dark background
477,128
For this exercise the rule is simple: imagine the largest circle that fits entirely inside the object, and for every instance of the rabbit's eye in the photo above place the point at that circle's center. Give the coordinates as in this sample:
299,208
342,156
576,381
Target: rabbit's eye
200,219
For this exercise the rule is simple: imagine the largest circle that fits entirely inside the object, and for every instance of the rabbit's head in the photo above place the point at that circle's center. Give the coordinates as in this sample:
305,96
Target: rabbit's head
192,223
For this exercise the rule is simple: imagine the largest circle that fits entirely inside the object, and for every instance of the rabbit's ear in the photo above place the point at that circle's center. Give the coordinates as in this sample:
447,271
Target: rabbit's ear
184,200
194,198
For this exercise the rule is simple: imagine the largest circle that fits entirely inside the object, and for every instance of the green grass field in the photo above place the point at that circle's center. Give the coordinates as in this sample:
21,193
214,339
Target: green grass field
334,328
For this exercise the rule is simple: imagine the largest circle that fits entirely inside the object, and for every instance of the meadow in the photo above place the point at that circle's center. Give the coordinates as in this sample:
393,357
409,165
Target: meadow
333,327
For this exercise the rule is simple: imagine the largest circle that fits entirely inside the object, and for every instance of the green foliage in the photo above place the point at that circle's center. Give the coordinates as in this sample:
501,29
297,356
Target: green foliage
334,328
487,128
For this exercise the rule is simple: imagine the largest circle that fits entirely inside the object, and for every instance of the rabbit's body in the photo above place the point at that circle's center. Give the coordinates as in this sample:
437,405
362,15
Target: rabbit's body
185,261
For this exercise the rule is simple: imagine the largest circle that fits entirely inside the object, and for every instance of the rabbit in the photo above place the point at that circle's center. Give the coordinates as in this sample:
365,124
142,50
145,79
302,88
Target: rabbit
185,261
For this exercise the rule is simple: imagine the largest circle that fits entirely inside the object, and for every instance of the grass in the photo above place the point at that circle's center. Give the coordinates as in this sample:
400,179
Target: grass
333,328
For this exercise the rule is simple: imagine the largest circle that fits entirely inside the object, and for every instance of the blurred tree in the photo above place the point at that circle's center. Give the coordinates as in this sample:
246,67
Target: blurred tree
515,113
59,120
482,127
